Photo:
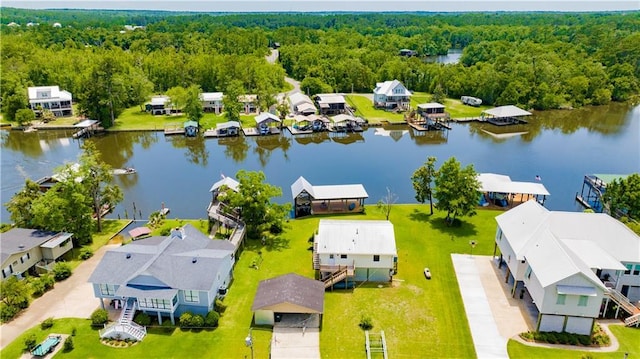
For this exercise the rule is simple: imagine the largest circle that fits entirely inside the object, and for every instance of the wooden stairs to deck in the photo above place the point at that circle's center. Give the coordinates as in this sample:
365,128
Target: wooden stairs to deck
336,277
626,305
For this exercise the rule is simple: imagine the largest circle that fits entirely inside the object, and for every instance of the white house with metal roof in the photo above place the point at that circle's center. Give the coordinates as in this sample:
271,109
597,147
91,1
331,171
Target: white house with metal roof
359,250
29,250
391,94
166,276
212,102
569,262
309,199
302,104
50,98
331,103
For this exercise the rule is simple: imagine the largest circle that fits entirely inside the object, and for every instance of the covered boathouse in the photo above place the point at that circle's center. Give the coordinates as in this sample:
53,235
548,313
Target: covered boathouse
505,115
309,199
501,191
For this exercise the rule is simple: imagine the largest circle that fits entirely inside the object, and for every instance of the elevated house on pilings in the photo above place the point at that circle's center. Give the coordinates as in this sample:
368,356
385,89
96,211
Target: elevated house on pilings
163,276
593,188
331,103
220,214
351,250
504,115
310,200
430,116
569,267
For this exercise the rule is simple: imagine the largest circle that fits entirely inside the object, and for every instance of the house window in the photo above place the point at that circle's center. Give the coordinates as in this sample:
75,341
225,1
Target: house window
583,300
561,299
636,271
376,258
527,273
107,289
628,271
192,296
343,256
25,257
330,256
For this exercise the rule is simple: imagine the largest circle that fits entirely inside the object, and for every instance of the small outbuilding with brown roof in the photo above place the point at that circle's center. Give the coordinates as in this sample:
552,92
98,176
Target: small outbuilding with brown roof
288,295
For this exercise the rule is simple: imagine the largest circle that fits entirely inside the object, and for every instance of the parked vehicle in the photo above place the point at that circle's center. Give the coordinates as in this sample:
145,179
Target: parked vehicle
471,101
427,273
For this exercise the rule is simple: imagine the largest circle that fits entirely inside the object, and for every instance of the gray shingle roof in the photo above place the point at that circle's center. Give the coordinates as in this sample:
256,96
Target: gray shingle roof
186,259
290,288
18,240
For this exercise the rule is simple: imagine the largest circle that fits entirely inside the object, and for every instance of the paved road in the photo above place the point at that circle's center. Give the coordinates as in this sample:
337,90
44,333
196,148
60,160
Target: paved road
72,298
272,58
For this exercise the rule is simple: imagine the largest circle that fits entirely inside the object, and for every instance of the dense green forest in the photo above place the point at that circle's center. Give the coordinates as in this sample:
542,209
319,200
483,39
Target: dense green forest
535,60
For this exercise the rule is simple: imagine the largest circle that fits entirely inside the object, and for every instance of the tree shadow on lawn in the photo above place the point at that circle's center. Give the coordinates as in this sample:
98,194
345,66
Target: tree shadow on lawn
437,222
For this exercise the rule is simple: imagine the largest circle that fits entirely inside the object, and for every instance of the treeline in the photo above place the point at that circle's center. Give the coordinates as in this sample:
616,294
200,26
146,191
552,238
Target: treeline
535,60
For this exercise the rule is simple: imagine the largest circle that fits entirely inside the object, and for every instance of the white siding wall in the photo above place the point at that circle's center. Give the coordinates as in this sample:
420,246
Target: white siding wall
360,260
551,323
570,307
579,325
535,290
508,255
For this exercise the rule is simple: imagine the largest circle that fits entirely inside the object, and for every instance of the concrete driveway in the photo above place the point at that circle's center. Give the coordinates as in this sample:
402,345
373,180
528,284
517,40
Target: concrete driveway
295,343
72,298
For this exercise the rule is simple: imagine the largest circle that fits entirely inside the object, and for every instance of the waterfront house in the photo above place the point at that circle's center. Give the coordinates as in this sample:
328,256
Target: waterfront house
570,264
249,103
355,250
212,102
301,104
159,105
310,200
50,98
165,276
391,95
331,103
31,251
289,296
432,111
268,123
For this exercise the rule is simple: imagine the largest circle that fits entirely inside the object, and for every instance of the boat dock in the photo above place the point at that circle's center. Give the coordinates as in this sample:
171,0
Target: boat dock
252,131
298,131
175,130
438,126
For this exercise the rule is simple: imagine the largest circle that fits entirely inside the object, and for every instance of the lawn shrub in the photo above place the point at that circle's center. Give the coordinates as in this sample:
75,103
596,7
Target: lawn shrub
7,312
40,285
185,320
563,338
68,344
47,323
74,331
86,253
30,342
219,306
584,340
212,319
61,271
365,323
600,339
143,319
99,317
197,321
551,338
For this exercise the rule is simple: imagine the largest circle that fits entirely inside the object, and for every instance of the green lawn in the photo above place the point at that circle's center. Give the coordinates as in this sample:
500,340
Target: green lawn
629,343
364,108
420,318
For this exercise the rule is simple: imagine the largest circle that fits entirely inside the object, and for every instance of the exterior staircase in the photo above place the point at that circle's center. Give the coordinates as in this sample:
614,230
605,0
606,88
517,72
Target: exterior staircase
125,327
626,305
335,277
316,256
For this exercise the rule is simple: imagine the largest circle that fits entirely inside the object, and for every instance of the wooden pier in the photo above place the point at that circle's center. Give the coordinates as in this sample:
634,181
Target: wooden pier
252,131
435,126
169,131
297,131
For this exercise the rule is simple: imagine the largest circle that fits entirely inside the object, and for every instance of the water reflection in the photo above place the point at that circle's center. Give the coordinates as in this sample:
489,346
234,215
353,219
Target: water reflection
347,138
395,132
265,145
422,138
196,151
236,148
315,138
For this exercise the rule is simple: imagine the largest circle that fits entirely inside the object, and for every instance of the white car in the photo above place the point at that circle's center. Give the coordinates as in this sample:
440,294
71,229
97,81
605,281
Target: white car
427,273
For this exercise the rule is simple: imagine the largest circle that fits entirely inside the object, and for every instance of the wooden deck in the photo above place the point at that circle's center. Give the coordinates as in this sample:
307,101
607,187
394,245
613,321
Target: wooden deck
513,200
252,131
436,126
214,133
319,207
169,131
296,131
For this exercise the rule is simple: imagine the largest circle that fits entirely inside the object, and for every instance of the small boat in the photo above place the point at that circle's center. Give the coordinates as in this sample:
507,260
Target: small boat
164,211
124,171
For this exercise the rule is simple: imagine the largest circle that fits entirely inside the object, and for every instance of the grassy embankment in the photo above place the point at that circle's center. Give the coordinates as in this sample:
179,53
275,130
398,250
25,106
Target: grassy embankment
364,108
420,318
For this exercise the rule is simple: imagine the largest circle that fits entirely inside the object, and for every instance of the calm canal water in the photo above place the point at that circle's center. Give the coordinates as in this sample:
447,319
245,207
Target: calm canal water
559,146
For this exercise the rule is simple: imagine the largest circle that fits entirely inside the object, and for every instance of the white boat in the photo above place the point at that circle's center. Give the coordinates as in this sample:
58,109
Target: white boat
124,171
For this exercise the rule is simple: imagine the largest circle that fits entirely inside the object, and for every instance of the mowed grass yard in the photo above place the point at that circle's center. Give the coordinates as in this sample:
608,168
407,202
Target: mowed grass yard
135,119
420,318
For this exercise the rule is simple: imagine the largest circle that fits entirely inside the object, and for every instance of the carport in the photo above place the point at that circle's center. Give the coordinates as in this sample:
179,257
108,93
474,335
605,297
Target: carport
291,299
